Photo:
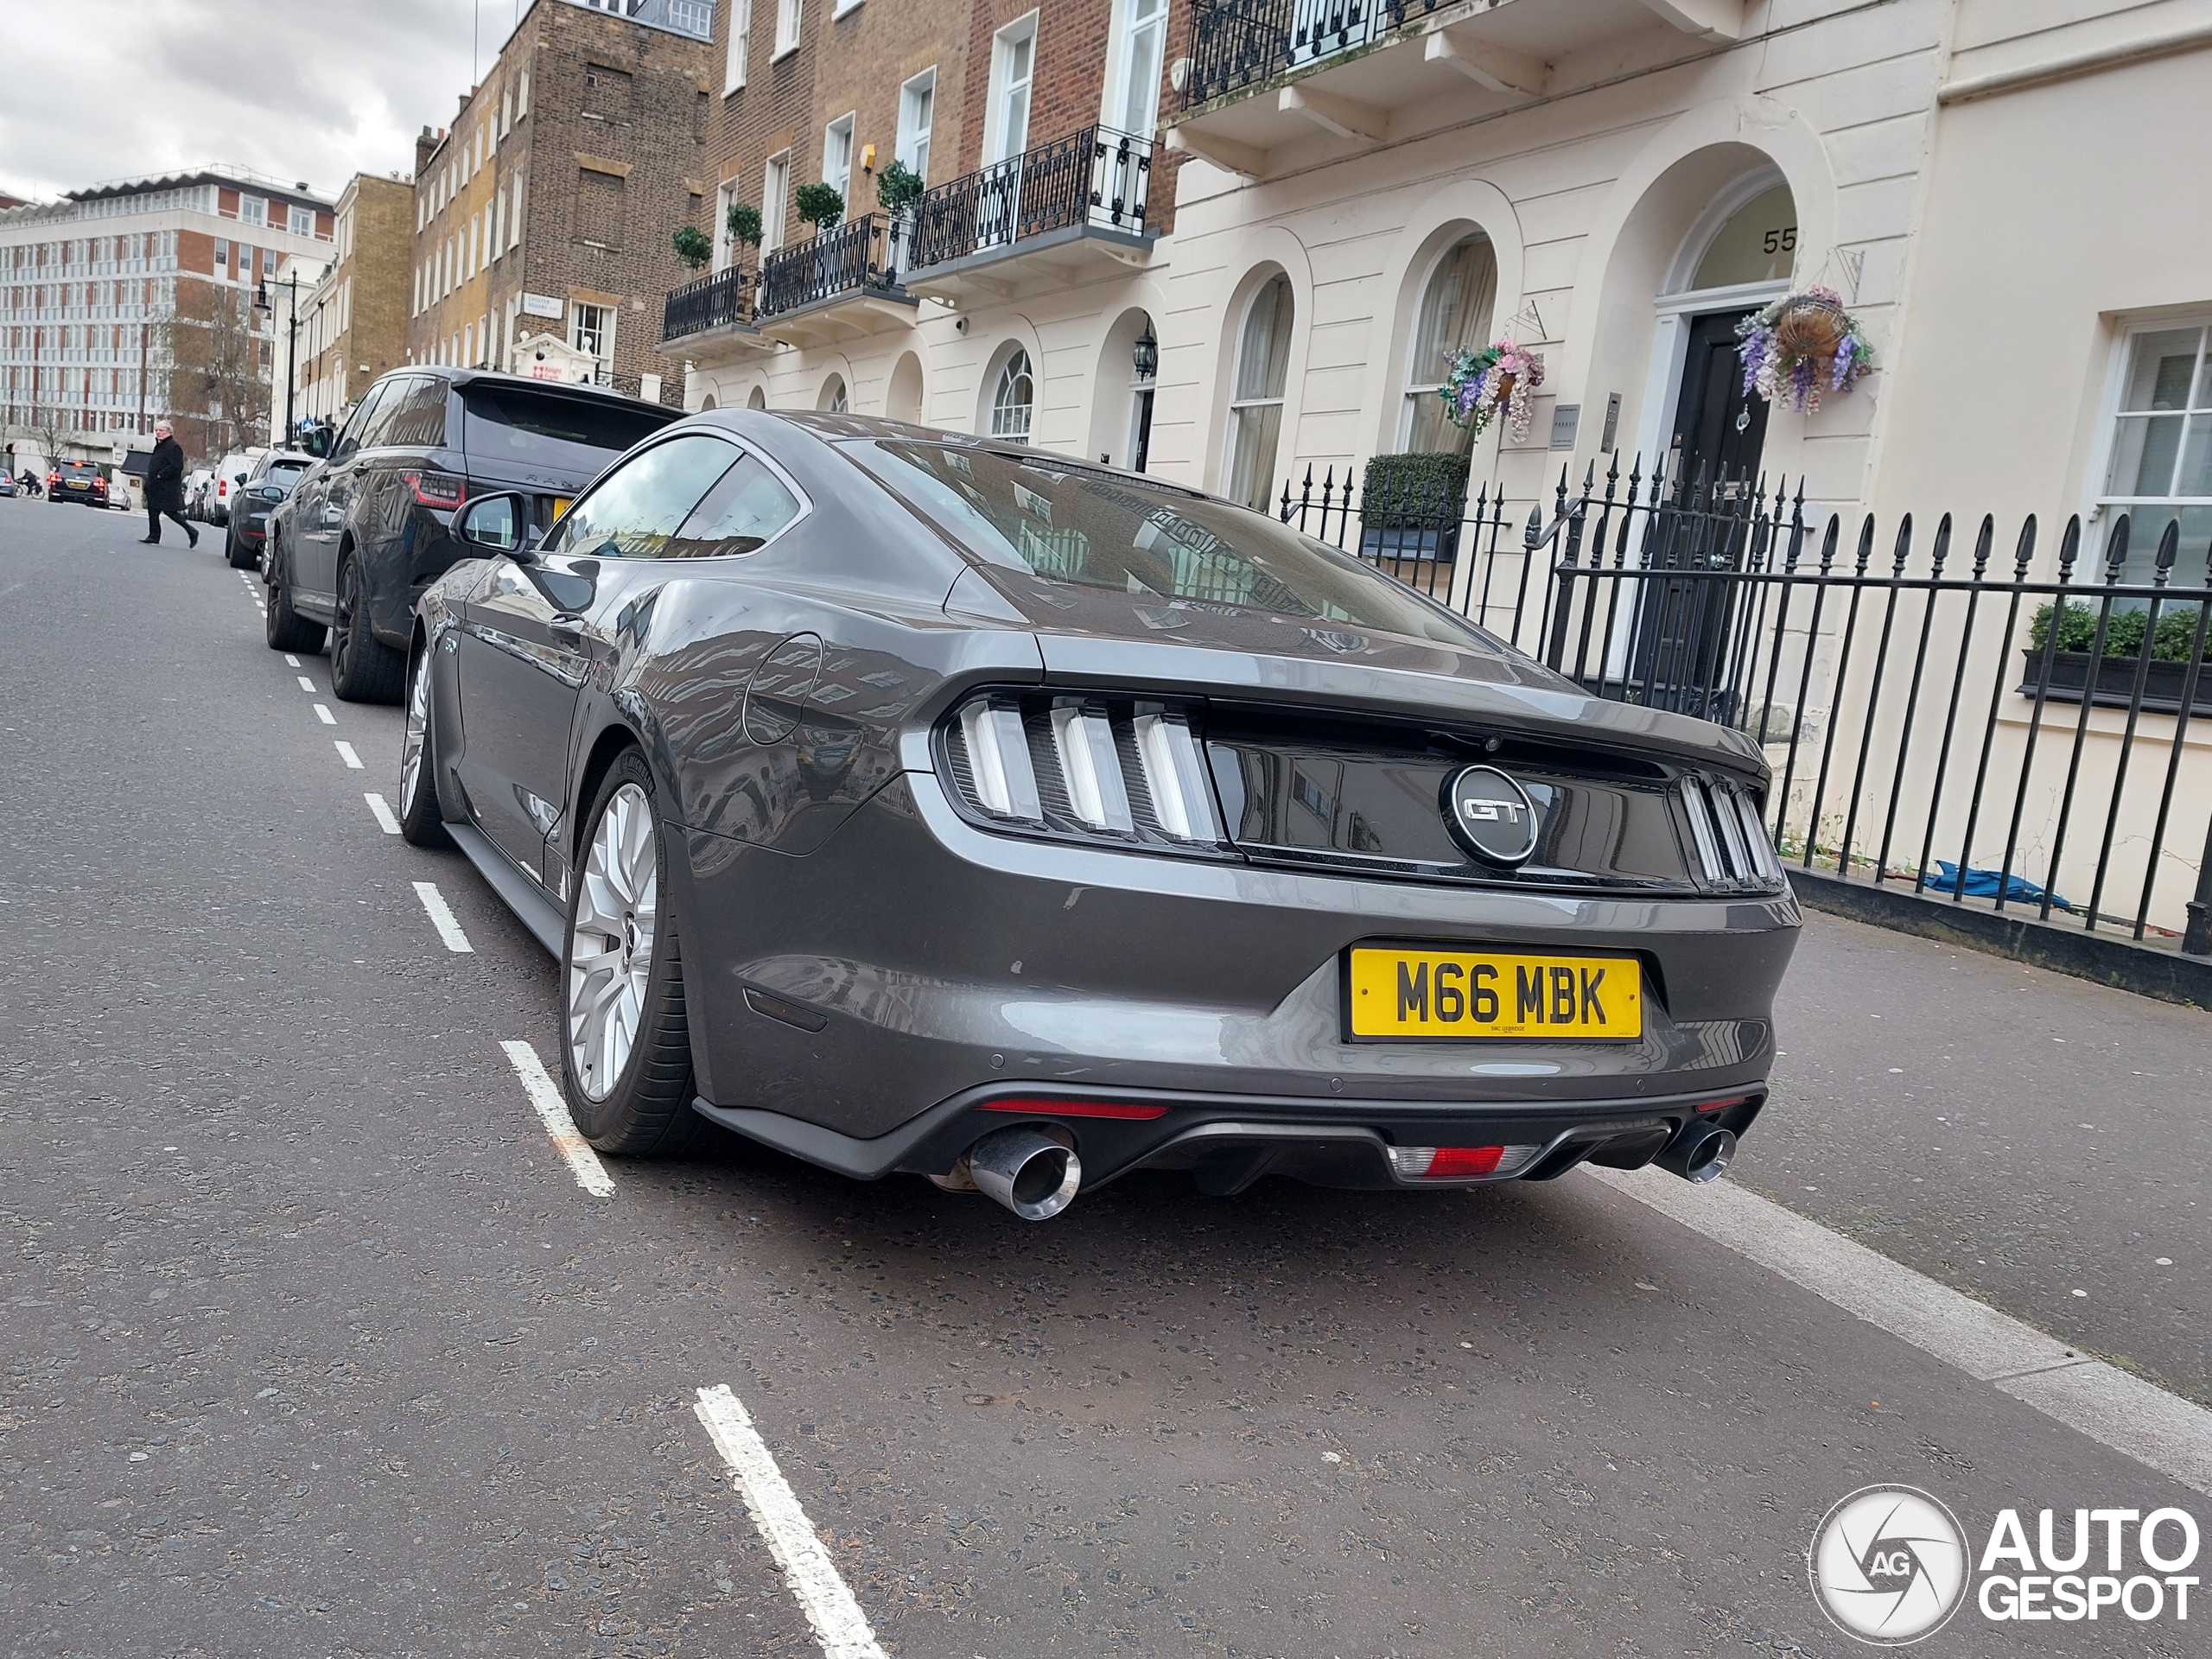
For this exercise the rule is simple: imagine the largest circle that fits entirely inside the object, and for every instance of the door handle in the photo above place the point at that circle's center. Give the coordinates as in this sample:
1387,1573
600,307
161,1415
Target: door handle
567,638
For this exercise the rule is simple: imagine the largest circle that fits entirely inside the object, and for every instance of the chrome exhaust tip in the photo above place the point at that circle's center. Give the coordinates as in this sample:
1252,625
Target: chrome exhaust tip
1026,1170
1701,1153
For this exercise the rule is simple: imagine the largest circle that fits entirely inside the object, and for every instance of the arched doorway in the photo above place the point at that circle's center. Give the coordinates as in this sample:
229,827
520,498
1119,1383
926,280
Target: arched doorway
757,398
903,401
1736,260
834,399
1122,392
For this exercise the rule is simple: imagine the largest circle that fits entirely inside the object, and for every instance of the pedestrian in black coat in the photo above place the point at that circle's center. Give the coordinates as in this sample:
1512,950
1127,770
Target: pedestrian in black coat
165,486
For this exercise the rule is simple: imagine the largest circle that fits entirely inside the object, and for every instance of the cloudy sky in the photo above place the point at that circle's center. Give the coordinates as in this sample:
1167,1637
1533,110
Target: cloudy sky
295,89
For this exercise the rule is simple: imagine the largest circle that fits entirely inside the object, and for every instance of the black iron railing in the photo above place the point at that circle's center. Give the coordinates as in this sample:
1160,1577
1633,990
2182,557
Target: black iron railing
1933,720
1241,45
1097,176
712,303
861,256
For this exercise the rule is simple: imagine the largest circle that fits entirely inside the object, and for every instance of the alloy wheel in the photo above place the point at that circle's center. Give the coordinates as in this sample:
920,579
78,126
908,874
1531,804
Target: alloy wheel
418,727
611,945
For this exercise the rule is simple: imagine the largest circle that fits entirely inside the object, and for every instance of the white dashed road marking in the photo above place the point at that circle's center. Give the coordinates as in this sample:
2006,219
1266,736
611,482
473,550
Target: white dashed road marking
2138,1419
346,753
442,918
385,822
553,1112
291,661
305,685
839,1624
324,715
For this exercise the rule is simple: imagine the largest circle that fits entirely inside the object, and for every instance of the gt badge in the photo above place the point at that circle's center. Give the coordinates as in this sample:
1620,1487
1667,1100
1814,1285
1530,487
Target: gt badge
1490,815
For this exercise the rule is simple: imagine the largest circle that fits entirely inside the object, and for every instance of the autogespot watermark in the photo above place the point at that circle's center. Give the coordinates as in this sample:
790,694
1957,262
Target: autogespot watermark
1890,1566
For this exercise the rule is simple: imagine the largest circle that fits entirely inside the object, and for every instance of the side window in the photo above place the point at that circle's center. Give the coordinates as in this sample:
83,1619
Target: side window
747,505
418,418
633,511
378,431
350,439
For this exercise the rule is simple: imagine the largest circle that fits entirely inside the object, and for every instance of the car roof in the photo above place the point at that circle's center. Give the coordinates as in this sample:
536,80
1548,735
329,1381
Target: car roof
463,378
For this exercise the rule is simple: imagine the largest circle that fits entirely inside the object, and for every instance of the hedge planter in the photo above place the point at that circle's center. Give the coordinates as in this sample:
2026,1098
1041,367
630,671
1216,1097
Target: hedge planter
2116,686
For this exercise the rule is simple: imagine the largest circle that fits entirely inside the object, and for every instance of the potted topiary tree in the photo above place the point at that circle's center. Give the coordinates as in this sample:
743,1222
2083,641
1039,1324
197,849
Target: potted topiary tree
898,188
819,204
744,224
694,247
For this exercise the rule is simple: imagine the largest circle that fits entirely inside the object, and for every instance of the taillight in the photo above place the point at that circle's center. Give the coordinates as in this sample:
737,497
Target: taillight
1732,847
222,487
437,489
1085,766
1459,1163
54,480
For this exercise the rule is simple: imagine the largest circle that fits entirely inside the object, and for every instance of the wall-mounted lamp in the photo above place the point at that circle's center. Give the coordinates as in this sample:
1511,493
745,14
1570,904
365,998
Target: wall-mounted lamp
1147,354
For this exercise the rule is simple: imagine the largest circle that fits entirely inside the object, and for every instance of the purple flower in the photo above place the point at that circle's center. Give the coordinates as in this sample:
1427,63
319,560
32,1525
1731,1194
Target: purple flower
1841,377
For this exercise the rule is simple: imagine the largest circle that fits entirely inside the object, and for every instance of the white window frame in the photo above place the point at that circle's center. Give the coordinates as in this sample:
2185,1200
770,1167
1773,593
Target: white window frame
2099,505
775,200
1281,401
1020,30
1127,23
514,214
610,315
790,20
837,156
725,244
917,117
252,210
741,28
1000,385
839,8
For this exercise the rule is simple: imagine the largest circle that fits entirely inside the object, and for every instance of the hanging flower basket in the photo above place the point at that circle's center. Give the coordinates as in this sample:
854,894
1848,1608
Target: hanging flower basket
1500,377
1801,345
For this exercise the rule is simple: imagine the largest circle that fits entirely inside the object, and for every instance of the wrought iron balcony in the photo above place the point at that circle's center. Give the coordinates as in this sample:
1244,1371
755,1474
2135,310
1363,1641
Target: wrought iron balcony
843,282
1266,72
1057,204
723,300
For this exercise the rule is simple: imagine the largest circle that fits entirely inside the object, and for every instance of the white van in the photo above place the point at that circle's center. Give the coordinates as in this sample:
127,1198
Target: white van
230,472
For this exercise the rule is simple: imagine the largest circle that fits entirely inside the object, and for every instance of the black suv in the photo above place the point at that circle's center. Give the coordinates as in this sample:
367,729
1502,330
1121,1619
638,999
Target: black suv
364,533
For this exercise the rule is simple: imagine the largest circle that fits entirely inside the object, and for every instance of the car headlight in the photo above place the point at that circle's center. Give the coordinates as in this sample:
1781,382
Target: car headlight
1085,766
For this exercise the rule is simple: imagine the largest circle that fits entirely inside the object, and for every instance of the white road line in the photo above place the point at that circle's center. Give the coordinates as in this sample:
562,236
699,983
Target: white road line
346,753
324,715
442,918
839,1624
305,685
2136,1418
553,1111
291,661
383,811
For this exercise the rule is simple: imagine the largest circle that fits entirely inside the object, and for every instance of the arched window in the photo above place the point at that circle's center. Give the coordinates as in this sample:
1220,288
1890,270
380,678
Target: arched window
833,400
1758,244
757,398
1016,400
1454,316
1255,400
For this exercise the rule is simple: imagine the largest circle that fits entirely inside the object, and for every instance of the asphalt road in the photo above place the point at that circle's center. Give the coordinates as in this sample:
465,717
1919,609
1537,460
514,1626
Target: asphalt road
313,1345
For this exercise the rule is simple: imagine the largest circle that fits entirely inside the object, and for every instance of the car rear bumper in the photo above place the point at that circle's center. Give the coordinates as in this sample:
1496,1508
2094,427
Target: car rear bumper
913,961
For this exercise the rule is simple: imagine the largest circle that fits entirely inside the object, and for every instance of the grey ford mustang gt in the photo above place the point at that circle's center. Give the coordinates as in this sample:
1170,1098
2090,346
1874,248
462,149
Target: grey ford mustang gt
913,802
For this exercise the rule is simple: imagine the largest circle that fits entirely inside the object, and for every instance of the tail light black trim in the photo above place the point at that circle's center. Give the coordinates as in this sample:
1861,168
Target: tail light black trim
1734,854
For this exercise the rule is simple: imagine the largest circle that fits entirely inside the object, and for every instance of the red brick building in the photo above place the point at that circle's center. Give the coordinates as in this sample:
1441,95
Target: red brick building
1013,296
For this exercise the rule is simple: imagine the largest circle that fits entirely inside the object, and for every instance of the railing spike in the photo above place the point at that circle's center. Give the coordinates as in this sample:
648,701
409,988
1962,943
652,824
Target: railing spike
2169,550
1903,544
2024,550
2116,548
2070,545
1942,548
1828,541
1865,543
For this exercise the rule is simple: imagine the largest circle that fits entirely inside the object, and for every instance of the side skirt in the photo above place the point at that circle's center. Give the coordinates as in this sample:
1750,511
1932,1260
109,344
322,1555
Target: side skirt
521,895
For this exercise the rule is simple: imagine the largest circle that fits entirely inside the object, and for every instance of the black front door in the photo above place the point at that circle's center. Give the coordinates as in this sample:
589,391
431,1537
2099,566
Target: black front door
1682,631
1718,431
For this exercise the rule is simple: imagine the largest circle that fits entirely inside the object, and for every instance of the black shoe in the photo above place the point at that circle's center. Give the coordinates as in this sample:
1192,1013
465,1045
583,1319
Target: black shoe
195,535
149,541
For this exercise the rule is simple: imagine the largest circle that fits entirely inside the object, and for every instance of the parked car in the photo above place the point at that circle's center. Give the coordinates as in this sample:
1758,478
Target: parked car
1025,822
230,471
76,480
7,484
275,472
364,533
199,485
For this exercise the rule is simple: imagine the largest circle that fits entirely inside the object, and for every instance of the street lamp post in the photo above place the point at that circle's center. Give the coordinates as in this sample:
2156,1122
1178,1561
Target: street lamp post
261,303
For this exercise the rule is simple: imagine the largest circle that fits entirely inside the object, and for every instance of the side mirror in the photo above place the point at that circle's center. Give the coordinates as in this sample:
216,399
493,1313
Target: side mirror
316,442
497,524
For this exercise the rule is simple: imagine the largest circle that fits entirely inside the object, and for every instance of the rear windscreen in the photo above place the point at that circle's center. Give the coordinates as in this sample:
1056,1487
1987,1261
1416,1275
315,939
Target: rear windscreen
287,473
515,424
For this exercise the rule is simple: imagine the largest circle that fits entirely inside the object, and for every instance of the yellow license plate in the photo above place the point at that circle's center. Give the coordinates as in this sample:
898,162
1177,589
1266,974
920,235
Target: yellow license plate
561,505
1484,992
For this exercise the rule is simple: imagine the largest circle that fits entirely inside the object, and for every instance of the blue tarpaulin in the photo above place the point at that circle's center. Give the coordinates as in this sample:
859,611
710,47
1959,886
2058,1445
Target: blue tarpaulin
1982,884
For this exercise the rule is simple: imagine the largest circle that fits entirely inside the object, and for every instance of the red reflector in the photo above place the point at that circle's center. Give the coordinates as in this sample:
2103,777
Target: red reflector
1077,1108
1462,1161
1722,1105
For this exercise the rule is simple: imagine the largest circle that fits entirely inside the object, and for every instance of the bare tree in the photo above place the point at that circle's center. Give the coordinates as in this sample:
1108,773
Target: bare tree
219,368
45,425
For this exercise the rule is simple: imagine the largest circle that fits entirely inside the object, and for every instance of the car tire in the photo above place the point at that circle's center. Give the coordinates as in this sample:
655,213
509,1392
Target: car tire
231,550
420,819
624,1029
287,630
363,669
